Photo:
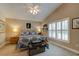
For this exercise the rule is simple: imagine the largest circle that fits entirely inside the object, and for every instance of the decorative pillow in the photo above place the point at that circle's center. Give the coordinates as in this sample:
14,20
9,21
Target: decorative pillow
25,33
33,33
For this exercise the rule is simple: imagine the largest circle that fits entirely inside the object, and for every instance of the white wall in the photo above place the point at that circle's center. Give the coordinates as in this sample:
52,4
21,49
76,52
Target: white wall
2,37
21,24
2,34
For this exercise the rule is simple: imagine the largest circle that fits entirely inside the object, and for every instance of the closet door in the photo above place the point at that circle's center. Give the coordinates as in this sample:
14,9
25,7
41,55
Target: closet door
2,31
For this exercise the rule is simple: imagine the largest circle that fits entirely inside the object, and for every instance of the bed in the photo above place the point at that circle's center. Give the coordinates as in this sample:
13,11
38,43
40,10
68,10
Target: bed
28,40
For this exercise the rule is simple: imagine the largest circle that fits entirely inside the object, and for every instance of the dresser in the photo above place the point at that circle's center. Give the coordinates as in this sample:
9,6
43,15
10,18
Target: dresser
13,40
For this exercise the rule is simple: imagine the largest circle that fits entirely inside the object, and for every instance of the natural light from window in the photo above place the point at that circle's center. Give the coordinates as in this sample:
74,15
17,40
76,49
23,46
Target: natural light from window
59,30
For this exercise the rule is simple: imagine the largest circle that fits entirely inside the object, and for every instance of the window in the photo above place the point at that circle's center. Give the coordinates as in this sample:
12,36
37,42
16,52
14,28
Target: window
65,30
59,30
52,30
49,28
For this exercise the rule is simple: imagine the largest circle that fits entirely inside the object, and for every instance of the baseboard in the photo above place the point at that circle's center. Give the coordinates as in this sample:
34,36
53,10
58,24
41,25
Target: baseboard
70,49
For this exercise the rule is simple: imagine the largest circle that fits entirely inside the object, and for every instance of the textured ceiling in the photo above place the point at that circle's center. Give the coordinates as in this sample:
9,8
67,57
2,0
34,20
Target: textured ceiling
19,11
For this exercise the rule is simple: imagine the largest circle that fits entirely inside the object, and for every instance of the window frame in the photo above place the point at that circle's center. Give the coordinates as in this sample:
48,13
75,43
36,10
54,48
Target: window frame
60,20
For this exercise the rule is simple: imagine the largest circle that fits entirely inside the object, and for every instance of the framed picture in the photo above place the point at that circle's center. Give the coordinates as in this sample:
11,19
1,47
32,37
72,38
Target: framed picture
28,25
75,23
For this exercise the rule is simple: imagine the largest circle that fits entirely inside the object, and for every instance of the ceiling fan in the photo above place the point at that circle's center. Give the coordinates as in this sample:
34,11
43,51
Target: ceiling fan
33,8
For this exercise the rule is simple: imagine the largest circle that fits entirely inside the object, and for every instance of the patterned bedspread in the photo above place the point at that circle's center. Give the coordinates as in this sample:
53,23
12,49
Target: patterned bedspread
25,40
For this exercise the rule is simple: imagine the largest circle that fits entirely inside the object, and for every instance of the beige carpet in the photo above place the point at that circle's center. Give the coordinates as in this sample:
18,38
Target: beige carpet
10,50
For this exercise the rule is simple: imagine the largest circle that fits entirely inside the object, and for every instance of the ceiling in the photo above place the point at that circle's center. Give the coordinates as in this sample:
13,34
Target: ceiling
19,11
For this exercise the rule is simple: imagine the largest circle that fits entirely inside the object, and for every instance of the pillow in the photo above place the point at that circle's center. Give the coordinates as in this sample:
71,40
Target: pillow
33,33
25,33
